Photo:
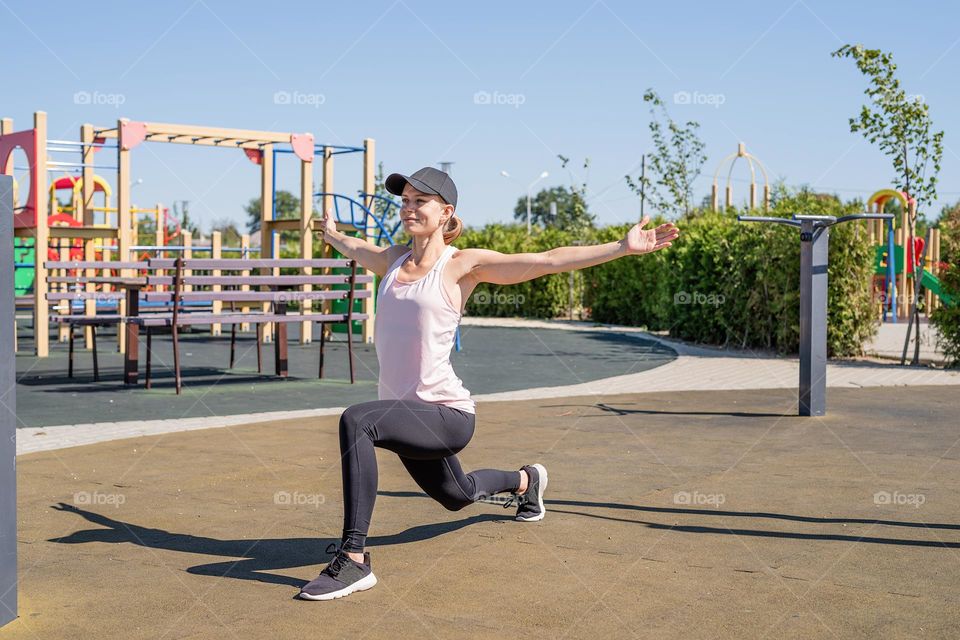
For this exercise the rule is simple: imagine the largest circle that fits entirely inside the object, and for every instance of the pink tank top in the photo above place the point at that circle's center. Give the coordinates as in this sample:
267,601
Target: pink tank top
413,333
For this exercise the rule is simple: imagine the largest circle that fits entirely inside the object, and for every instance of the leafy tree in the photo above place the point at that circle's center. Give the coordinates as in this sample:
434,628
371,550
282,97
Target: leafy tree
675,163
898,123
571,203
540,206
287,206
576,218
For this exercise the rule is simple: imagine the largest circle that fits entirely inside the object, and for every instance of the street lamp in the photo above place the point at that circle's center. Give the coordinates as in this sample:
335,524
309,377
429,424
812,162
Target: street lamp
529,189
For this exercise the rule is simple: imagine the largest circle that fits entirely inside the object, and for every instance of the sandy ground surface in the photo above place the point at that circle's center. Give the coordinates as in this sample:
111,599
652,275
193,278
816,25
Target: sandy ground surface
690,514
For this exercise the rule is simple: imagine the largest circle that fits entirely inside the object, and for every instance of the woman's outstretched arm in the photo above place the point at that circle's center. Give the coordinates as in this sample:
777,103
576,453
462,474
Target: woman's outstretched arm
511,268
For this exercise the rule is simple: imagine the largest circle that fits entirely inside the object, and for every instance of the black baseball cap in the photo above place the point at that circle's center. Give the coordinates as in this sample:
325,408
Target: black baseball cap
426,180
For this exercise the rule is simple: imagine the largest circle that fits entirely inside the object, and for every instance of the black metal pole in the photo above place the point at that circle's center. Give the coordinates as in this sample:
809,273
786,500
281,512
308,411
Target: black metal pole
814,251
814,257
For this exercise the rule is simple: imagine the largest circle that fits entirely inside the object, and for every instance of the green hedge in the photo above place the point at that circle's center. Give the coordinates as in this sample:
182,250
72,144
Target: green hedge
731,283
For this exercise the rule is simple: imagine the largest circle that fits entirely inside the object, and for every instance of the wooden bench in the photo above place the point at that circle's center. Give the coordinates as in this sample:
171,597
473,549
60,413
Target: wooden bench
173,285
77,282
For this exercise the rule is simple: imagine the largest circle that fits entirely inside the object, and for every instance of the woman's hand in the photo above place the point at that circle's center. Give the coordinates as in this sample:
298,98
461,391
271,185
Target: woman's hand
640,240
329,225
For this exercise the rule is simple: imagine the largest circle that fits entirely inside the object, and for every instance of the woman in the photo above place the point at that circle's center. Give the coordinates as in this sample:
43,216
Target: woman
424,414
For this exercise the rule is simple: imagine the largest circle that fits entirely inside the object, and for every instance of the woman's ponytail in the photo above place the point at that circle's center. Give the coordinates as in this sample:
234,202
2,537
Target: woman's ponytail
452,230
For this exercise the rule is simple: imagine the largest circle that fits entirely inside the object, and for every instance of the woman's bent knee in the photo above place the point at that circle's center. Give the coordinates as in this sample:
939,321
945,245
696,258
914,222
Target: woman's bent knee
350,423
455,505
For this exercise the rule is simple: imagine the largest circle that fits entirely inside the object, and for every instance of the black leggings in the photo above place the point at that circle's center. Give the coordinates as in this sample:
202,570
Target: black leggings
425,436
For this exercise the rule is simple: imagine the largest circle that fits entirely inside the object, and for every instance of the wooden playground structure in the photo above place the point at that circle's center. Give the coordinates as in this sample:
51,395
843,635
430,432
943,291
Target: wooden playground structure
898,261
753,163
87,231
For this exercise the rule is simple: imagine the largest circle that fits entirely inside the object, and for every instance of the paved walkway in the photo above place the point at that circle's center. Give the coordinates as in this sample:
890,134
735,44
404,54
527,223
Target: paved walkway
888,343
695,369
687,514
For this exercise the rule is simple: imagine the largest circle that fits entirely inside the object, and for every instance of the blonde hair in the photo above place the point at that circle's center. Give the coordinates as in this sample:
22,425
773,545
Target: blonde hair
453,229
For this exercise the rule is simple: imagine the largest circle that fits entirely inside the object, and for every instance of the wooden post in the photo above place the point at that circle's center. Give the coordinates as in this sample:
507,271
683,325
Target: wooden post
369,186
41,320
89,306
64,307
88,187
306,243
216,242
266,217
86,215
187,254
270,245
160,232
328,178
328,205
245,254
124,223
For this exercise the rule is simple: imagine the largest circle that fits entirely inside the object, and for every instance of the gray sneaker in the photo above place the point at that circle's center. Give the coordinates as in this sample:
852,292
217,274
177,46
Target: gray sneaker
530,503
340,578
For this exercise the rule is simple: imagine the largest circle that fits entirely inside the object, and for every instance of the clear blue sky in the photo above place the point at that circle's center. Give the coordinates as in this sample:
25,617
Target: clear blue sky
570,77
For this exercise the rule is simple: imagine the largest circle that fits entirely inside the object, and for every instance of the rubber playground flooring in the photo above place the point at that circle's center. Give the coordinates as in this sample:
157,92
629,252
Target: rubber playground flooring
492,359
670,515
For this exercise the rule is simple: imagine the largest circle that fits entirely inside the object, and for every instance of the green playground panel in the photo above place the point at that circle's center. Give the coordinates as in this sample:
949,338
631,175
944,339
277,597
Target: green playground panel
23,276
927,279
879,259
931,282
